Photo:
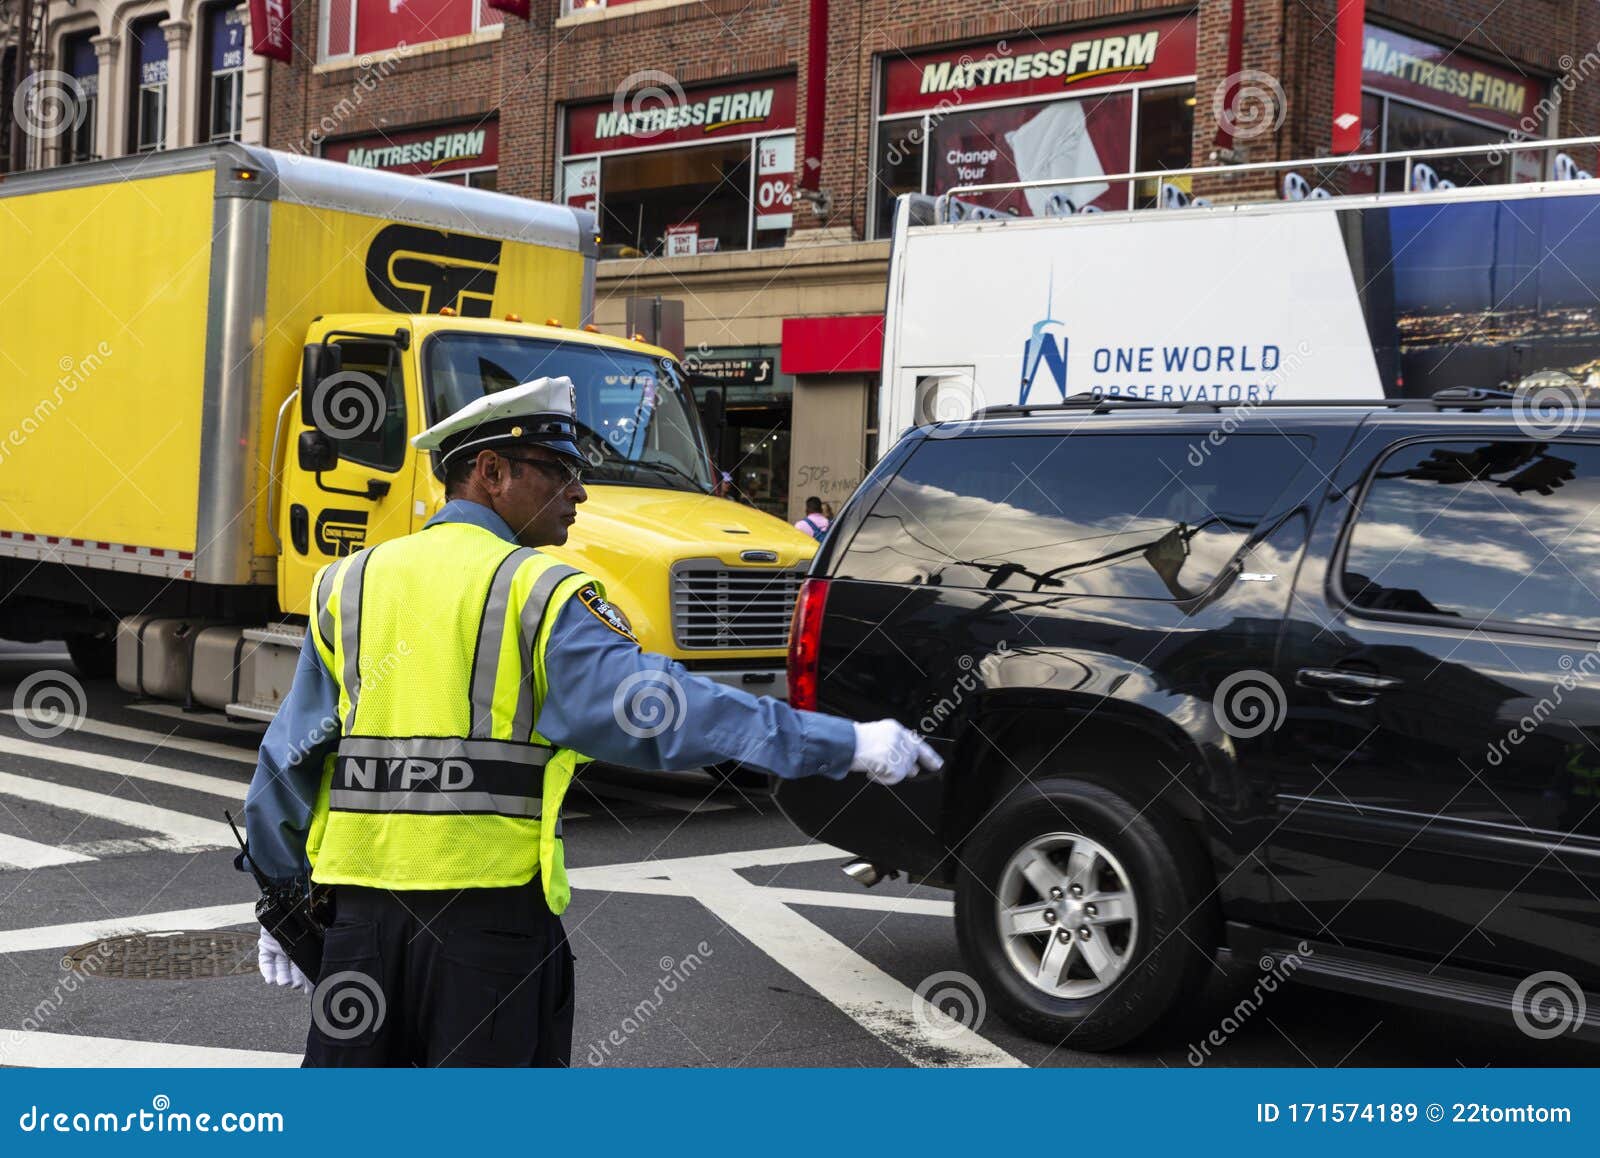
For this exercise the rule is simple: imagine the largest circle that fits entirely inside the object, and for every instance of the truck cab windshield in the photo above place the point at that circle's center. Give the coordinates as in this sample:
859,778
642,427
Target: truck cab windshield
634,425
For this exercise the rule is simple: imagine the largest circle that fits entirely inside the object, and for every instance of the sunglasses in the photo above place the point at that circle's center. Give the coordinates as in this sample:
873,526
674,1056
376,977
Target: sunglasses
558,472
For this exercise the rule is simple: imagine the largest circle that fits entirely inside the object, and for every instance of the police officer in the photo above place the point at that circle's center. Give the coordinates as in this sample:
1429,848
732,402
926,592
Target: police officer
451,684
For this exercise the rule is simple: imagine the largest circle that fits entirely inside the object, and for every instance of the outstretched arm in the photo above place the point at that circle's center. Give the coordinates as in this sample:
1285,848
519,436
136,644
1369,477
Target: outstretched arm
619,704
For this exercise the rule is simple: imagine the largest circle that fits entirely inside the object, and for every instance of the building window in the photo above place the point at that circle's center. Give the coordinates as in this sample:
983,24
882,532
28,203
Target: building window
661,189
350,28
147,126
471,178
568,7
78,58
223,93
1001,113
1164,140
1408,128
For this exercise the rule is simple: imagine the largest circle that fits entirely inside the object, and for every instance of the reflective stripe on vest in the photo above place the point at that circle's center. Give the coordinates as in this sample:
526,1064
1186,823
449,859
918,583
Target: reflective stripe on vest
491,639
350,630
323,606
535,613
429,774
441,779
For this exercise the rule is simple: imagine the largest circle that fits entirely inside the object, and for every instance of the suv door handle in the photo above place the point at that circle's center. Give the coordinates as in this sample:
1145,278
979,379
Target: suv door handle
1353,689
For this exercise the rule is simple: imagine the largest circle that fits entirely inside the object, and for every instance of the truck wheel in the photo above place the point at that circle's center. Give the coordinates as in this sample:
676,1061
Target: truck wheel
95,656
1079,915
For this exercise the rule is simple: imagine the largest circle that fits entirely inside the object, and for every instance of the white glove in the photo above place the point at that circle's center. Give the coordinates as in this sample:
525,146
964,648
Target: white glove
889,752
276,968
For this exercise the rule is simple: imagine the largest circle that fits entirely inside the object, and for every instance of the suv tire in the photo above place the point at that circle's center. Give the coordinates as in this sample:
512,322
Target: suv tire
1130,898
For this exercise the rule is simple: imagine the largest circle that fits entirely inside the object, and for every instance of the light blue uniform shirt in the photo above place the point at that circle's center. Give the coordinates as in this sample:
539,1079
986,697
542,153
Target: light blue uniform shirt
585,663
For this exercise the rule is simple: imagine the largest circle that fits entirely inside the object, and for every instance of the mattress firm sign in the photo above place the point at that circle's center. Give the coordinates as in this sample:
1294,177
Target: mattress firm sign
425,152
665,114
442,149
1046,65
722,111
1452,81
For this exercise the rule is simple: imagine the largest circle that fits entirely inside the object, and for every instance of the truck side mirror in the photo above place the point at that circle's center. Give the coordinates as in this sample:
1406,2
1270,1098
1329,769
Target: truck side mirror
318,362
317,452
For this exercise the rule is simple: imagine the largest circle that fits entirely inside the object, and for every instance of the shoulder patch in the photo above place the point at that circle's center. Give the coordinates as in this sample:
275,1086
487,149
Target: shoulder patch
607,614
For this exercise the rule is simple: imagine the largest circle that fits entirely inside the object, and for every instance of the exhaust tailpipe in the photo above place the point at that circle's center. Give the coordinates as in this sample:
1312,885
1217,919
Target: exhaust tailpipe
866,874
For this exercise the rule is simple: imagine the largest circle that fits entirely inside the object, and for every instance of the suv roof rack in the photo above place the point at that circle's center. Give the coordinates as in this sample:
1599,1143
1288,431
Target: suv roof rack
1453,398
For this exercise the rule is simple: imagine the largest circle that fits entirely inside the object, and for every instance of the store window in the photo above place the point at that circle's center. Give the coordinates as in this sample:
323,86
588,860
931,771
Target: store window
462,153
1165,139
1076,105
351,28
752,445
472,179
1408,128
678,201
224,66
1426,96
147,126
661,189
77,53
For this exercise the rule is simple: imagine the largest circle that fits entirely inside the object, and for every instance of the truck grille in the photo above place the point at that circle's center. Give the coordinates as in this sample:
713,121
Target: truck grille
716,606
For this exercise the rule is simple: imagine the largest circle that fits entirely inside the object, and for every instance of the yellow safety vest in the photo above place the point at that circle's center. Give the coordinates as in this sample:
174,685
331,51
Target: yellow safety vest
441,779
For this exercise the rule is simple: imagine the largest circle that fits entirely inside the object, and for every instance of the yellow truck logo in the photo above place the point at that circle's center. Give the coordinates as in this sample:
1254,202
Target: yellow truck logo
412,270
341,532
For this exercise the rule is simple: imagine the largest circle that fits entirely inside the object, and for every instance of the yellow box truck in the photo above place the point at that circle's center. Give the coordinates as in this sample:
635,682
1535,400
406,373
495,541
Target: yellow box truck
168,489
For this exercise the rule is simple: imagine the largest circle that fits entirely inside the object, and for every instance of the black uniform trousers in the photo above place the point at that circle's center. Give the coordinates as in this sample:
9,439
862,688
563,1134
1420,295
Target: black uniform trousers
452,977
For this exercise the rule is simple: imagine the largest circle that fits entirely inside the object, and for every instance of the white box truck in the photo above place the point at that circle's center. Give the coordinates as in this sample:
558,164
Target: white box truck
1319,297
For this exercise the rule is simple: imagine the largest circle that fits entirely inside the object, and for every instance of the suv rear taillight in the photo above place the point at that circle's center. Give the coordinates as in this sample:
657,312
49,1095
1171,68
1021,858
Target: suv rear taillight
805,639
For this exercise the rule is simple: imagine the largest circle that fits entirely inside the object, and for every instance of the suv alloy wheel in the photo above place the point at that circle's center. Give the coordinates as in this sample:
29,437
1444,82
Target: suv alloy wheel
1079,914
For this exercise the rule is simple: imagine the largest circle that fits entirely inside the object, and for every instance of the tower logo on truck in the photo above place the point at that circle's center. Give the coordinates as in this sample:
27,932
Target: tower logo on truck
413,270
1045,351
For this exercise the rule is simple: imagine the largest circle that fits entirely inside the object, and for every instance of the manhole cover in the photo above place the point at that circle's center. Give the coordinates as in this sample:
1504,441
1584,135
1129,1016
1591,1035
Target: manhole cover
166,956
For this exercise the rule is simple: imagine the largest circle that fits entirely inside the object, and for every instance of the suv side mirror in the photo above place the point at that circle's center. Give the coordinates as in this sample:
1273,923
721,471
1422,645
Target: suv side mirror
317,452
317,362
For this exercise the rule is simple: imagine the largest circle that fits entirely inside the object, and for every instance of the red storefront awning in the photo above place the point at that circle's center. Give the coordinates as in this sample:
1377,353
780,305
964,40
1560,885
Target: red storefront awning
842,345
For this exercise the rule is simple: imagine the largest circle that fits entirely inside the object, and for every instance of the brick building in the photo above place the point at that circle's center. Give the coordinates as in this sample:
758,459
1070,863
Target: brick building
683,123
111,77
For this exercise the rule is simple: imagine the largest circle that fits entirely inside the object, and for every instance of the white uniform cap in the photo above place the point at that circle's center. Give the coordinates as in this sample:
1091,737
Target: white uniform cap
536,413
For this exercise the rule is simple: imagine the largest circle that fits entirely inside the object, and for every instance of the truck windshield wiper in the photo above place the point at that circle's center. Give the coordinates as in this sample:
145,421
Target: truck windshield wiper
667,468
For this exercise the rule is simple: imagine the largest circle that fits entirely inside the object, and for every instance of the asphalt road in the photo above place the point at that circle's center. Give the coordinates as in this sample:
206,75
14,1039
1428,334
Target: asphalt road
708,931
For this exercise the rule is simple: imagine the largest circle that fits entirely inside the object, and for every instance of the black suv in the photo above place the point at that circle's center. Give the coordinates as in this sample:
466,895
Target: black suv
1308,685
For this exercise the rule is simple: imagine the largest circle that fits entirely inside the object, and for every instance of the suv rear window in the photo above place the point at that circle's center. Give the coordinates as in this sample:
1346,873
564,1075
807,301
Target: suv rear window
1483,532
1131,515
